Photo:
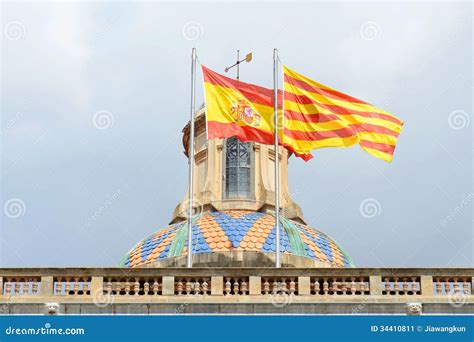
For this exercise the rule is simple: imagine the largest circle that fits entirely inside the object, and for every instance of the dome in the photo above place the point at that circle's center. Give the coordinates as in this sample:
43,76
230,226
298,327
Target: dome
243,233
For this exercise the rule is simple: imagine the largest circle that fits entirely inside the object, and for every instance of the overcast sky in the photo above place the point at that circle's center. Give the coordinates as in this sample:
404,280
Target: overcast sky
94,97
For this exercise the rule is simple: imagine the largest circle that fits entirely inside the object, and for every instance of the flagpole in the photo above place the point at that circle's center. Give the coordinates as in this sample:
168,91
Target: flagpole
189,261
238,64
277,159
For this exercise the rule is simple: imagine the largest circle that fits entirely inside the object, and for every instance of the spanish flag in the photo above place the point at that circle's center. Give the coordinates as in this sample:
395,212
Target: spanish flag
235,108
318,116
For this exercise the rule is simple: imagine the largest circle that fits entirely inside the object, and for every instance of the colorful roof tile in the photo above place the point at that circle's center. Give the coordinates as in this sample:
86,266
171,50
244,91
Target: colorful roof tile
237,230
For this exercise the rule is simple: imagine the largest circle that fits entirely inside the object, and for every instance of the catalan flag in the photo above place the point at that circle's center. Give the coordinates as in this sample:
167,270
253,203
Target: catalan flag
318,116
235,108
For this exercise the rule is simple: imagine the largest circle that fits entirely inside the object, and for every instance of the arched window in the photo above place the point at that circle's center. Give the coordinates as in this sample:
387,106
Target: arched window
237,169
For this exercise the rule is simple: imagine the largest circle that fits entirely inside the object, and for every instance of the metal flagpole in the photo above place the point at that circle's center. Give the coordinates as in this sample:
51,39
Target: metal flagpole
277,158
238,64
189,262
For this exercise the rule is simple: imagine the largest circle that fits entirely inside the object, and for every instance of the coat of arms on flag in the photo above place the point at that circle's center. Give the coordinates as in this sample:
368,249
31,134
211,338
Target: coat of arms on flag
242,111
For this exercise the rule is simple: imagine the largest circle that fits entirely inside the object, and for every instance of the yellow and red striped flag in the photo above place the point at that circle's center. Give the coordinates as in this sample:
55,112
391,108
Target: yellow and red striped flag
235,108
318,116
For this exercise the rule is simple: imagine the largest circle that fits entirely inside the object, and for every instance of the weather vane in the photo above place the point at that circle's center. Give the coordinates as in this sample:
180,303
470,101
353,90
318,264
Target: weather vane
247,59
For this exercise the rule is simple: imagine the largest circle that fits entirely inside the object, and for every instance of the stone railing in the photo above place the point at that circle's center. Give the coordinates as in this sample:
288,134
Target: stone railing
217,290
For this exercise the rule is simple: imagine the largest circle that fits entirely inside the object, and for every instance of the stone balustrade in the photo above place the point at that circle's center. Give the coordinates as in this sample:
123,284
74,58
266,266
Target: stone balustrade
279,285
192,286
21,286
447,285
132,286
340,286
236,286
217,290
71,286
405,285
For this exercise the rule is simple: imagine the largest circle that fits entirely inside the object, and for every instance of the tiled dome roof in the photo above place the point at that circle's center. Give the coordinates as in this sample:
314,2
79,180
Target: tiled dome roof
237,230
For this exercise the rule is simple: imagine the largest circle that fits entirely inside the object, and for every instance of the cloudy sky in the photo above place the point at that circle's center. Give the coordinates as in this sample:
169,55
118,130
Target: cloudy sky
94,96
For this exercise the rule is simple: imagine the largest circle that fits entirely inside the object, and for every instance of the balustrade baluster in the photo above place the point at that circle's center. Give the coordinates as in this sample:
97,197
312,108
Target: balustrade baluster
85,286
447,286
67,286
353,286
344,286
396,286
118,287
35,287
136,287
333,286
228,286
439,290
8,286
387,286
197,287
146,287
465,286
325,286
244,287
179,287
275,287
292,286
317,287
414,285
76,286
108,287
205,287
283,286
266,287
189,287
362,286
17,286
155,287
455,285
128,287
26,286
58,288
236,286
404,286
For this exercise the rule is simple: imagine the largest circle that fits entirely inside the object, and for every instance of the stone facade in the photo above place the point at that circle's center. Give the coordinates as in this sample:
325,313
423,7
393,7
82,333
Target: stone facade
236,290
